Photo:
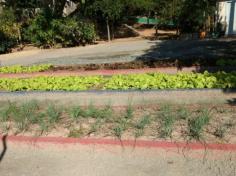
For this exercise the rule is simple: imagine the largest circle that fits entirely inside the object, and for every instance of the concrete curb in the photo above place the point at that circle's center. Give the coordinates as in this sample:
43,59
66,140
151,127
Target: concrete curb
123,98
123,143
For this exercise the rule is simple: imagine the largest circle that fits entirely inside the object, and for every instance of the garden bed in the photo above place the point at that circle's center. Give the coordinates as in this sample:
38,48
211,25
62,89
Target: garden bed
122,82
214,124
195,65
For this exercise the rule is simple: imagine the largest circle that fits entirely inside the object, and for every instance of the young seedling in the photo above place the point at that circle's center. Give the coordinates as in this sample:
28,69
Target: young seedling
118,131
76,112
183,113
19,116
197,124
44,125
53,114
91,111
105,113
4,114
129,113
141,125
28,111
167,121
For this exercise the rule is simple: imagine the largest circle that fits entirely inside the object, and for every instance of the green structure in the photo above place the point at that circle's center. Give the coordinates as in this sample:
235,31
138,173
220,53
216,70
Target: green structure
152,21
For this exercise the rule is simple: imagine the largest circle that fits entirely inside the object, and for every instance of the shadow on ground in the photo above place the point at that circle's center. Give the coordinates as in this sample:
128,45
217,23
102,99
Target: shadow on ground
188,49
202,53
4,150
232,102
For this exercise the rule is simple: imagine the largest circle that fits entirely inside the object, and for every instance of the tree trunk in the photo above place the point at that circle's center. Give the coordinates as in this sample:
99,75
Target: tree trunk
20,39
108,31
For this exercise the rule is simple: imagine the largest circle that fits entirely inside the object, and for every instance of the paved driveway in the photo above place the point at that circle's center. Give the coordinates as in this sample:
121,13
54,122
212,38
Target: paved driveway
125,51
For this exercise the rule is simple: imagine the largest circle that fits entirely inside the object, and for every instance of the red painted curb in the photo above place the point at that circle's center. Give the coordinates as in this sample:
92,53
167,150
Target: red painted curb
124,143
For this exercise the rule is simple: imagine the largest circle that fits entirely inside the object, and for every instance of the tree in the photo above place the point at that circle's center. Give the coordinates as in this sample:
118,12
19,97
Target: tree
195,13
109,10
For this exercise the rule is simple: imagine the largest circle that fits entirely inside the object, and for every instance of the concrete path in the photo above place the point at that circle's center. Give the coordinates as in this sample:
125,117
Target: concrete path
125,51
104,160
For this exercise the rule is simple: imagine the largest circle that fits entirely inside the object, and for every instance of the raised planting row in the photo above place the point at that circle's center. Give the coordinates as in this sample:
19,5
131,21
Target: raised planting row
139,64
122,82
25,69
210,124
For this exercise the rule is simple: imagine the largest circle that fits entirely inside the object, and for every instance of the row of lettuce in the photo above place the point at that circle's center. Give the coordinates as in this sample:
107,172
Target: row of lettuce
122,82
25,69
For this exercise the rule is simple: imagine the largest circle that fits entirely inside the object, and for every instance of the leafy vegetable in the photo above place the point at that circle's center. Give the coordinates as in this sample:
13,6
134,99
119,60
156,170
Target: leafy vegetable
25,69
122,82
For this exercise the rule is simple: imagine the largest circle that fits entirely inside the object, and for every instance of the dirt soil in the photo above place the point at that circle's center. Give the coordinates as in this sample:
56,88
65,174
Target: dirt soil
104,122
143,64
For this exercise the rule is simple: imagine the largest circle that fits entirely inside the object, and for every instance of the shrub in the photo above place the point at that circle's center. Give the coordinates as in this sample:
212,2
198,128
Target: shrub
226,62
70,32
46,32
8,24
6,43
9,31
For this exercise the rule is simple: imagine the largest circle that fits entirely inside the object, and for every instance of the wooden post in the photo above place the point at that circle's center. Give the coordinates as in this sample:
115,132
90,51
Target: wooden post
156,27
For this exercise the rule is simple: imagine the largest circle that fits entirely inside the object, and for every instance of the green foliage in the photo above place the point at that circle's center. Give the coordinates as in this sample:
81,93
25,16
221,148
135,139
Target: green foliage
111,9
25,69
178,81
6,43
136,5
122,82
183,113
167,121
9,31
8,24
226,62
50,83
46,31
129,113
141,124
34,117
118,131
75,112
53,114
23,115
197,124
195,13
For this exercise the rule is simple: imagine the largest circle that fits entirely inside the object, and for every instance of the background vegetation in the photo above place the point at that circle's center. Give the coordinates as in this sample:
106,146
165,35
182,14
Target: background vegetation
44,23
